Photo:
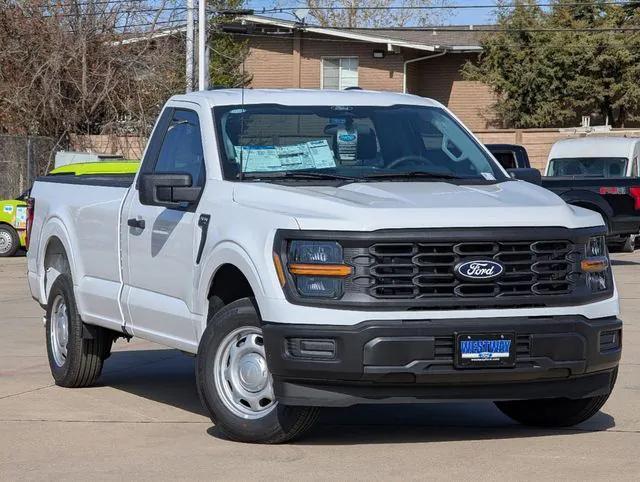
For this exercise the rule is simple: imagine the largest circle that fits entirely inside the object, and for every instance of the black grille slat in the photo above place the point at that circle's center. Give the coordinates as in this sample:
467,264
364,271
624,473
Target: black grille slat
423,270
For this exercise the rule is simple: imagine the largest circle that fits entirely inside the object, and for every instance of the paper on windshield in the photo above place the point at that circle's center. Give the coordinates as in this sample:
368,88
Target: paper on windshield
308,155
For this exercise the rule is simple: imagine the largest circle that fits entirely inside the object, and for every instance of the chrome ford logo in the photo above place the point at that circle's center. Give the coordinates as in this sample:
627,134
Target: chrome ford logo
479,270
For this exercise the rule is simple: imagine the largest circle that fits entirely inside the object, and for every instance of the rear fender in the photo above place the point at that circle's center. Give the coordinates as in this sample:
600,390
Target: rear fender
589,200
54,228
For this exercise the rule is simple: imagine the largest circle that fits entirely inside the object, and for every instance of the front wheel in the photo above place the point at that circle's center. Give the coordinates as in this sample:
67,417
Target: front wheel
234,382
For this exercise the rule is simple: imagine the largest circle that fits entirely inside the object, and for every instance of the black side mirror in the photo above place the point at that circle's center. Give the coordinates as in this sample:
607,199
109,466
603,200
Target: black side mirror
169,190
527,174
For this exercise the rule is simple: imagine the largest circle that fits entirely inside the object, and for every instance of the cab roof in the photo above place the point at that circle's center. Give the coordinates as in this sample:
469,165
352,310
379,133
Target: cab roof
594,146
218,97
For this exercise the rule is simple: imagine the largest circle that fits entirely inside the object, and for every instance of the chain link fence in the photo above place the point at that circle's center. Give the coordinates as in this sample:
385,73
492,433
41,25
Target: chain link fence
22,159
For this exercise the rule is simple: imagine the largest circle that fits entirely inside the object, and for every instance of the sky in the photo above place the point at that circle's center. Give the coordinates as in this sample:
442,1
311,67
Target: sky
456,17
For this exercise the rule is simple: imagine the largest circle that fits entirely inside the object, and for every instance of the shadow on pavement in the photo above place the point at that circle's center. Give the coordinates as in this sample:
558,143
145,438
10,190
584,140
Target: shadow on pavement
167,376
623,262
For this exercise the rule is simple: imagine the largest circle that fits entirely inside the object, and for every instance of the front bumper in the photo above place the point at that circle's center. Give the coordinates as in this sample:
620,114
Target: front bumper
396,361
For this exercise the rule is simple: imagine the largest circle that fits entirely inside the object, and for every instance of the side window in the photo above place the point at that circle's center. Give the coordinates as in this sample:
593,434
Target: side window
181,149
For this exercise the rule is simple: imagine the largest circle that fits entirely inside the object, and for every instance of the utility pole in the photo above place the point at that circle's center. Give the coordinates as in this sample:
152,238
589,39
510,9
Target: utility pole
189,46
203,61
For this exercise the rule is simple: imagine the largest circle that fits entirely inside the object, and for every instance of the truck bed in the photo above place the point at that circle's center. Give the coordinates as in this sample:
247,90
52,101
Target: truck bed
89,205
616,198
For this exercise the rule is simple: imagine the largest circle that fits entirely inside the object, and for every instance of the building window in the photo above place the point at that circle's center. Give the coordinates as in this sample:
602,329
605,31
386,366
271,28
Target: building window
339,72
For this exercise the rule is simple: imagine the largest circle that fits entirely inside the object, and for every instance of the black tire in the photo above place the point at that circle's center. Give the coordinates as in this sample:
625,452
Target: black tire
84,357
555,412
9,241
629,244
278,425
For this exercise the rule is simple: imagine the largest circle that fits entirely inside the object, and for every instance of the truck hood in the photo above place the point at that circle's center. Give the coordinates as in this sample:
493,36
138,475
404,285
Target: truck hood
388,205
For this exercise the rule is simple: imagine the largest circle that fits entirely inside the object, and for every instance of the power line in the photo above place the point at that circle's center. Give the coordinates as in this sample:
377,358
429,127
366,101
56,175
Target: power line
112,12
449,7
288,36
444,28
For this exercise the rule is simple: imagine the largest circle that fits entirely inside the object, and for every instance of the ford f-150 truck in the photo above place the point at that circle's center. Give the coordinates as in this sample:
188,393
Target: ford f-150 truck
328,248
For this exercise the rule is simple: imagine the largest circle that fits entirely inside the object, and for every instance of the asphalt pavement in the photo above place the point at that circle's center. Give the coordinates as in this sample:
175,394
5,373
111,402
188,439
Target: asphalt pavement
144,420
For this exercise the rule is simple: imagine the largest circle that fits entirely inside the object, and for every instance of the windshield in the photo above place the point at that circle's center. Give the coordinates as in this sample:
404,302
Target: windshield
588,166
348,142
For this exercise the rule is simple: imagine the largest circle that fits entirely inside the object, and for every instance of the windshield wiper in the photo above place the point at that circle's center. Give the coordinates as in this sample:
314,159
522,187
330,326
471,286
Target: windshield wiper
412,174
302,174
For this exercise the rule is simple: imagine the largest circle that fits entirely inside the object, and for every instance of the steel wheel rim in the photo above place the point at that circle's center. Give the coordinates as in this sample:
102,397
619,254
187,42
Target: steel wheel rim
59,330
241,375
6,242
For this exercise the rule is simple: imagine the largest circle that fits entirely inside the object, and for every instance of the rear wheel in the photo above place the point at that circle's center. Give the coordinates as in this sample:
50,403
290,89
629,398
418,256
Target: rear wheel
629,244
75,360
235,384
9,241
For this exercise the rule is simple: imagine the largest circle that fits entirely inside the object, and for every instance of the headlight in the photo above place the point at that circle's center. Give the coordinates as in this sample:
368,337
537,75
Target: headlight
317,268
597,246
596,264
326,252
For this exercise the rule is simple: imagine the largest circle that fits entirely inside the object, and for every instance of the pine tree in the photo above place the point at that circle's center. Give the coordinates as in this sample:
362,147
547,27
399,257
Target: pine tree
549,68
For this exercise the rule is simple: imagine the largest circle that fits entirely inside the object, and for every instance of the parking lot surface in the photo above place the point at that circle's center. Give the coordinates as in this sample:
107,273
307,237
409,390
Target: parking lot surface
144,420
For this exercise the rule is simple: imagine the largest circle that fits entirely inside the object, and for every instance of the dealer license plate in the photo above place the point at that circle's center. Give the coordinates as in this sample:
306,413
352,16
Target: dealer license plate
483,350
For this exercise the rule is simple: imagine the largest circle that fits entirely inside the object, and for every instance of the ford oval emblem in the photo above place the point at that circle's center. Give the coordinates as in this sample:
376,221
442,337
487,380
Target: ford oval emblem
347,137
479,270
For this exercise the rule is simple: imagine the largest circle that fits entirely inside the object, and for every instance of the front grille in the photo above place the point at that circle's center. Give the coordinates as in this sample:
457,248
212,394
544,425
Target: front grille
425,270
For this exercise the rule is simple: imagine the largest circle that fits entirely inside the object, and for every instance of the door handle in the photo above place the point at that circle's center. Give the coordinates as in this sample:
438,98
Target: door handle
135,223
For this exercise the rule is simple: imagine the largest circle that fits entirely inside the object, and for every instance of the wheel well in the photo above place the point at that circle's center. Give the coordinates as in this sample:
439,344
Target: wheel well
228,285
2,224
56,262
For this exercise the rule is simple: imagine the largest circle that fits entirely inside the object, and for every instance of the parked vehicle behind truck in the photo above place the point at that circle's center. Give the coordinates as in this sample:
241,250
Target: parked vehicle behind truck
319,249
13,212
616,198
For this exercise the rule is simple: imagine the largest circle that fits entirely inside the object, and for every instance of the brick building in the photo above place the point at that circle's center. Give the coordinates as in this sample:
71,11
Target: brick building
285,54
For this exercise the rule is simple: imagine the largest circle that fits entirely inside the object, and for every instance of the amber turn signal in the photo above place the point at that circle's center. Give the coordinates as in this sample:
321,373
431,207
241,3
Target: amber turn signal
338,270
594,265
279,270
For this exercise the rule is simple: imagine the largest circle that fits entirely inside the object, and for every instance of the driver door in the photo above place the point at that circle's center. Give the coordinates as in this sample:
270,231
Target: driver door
161,242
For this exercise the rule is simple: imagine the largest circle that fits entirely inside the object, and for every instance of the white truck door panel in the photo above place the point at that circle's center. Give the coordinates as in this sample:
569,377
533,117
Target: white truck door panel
161,263
160,257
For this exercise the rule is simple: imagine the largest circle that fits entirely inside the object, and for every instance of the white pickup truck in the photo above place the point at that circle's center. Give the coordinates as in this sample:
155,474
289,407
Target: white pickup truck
327,248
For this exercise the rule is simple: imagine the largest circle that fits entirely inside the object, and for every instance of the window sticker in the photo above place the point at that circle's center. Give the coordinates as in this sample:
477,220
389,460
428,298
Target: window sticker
488,176
258,158
308,155
321,154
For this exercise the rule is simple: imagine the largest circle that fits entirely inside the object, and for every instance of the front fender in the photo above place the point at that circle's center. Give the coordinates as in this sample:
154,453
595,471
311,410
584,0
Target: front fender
232,253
